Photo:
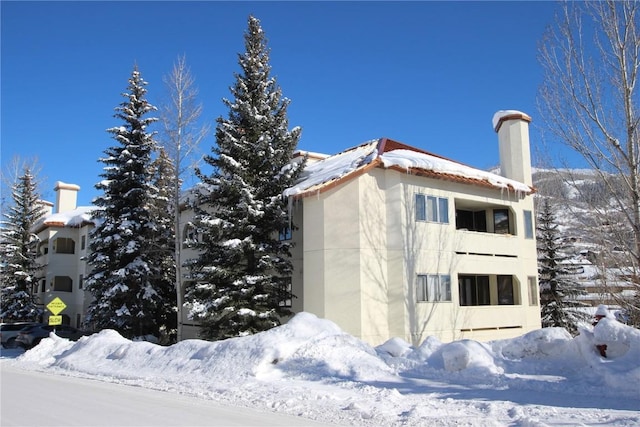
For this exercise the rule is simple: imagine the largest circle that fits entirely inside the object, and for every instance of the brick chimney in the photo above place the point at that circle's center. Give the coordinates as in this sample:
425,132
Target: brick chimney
66,196
513,138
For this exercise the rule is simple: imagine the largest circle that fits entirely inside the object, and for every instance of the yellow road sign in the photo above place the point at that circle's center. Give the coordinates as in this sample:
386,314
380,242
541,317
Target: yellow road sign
56,306
55,320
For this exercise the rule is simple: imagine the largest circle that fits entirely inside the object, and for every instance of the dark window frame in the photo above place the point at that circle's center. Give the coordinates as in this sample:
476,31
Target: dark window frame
501,221
474,290
64,245
506,290
60,285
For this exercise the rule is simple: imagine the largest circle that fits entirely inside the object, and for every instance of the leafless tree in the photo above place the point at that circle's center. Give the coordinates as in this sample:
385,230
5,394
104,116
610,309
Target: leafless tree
12,171
181,136
589,101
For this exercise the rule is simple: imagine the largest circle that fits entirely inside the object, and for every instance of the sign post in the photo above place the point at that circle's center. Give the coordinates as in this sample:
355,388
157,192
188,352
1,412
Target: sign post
56,306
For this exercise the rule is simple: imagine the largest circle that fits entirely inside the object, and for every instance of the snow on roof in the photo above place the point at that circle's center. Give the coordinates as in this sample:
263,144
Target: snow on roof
321,174
310,154
73,218
408,159
334,167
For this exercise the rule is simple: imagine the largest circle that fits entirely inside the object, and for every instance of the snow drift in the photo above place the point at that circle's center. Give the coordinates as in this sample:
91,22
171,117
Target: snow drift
296,362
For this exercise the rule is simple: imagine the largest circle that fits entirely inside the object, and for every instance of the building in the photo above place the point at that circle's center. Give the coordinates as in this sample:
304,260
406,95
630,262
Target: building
64,241
394,241
389,241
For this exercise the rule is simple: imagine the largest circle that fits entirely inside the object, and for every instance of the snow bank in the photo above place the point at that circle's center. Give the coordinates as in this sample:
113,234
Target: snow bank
311,366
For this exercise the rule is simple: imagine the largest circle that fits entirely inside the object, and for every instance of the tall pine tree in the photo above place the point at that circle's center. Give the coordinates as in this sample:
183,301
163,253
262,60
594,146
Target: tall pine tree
18,249
243,266
162,246
558,292
128,290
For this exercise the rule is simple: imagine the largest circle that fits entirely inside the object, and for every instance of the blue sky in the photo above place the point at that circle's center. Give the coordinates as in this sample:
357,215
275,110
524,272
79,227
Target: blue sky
429,74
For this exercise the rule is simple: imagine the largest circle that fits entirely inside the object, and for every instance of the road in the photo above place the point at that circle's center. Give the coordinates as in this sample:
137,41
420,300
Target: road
41,399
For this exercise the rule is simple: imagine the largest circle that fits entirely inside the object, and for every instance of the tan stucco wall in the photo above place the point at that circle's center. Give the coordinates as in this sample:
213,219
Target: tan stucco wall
71,265
363,250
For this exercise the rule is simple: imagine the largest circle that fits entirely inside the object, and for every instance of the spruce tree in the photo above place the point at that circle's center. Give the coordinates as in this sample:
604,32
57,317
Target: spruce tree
162,246
558,291
18,248
124,278
243,266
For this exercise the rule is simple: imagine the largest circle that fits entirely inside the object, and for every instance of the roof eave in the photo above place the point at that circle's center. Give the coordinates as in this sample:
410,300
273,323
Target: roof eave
457,178
324,187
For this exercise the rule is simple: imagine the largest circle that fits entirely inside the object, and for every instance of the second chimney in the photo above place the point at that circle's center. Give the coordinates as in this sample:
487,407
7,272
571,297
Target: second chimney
513,138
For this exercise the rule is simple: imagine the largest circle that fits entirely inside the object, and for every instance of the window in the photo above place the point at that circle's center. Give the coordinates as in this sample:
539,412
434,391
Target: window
62,284
505,290
190,235
284,294
78,320
81,281
43,285
528,225
421,209
474,290
66,321
484,217
64,245
83,243
501,221
285,233
470,220
432,209
533,290
43,247
434,287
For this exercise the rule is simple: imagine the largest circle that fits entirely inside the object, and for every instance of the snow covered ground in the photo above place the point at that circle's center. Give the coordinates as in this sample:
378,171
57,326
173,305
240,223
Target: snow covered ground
31,398
311,369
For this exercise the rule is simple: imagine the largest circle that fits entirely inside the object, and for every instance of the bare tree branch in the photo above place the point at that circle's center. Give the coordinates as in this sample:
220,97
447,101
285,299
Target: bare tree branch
181,137
589,102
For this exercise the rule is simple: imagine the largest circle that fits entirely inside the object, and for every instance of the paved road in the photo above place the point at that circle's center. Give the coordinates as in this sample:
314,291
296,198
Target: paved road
41,399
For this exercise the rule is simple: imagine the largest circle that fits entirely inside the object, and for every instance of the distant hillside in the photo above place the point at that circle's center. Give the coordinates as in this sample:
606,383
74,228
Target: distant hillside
591,225
583,204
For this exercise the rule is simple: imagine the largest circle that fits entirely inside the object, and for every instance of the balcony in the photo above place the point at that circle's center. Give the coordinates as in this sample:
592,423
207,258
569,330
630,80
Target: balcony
487,244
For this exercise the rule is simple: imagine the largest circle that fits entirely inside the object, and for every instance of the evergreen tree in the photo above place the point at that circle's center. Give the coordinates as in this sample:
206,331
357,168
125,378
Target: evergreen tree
558,292
124,276
243,266
162,246
18,249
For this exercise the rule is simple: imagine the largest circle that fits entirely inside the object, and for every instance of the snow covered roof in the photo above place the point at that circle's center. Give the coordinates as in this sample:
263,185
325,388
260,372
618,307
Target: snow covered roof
74,218
310,155
386,153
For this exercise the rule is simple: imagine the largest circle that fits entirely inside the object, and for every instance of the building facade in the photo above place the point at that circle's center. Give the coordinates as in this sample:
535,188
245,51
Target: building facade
398,242
389,241
63,245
